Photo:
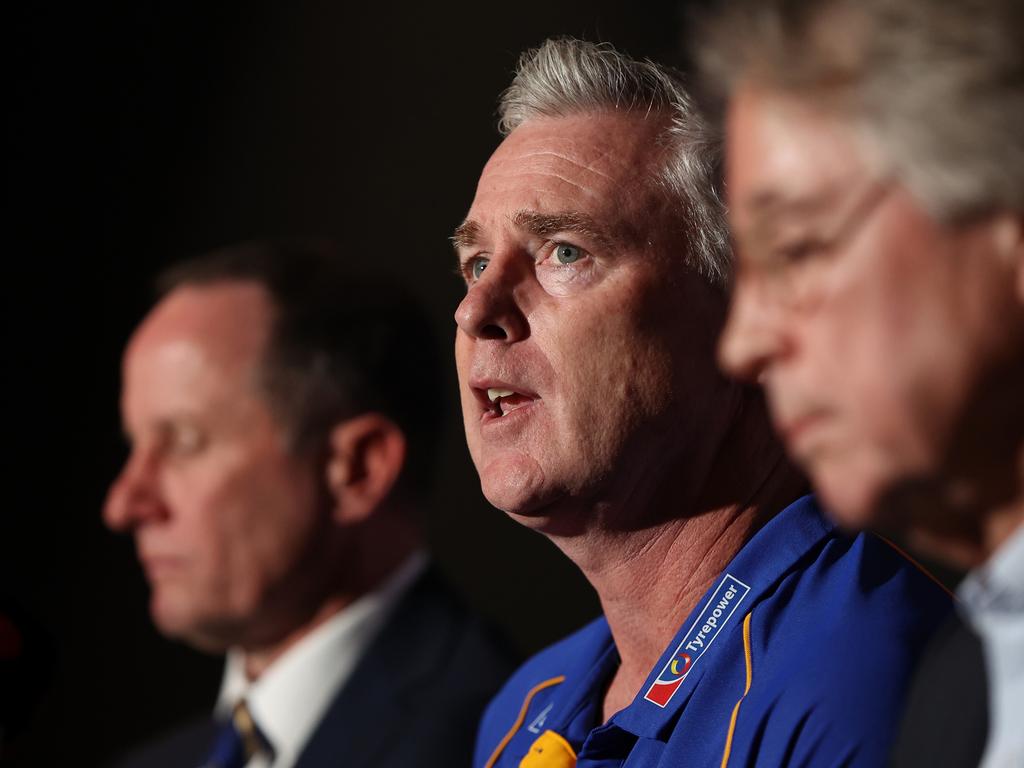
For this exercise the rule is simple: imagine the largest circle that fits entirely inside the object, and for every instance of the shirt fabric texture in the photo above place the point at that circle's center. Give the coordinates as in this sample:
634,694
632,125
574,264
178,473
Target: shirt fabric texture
798,655
993,603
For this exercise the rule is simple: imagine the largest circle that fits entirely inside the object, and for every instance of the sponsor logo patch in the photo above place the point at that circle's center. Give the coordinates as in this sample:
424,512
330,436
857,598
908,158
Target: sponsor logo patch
698,638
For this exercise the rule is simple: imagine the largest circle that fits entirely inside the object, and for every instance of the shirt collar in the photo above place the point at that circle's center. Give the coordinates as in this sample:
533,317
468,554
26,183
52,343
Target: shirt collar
755,569
290,697
588,671
998,585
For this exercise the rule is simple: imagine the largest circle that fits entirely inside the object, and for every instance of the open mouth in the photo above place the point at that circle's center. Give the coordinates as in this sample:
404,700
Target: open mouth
505,401
498,399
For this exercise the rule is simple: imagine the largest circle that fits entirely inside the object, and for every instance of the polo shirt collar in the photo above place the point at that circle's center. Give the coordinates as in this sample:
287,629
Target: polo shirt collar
758,566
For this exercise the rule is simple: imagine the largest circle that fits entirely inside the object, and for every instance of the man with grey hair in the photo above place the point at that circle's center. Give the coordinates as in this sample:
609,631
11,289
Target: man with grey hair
876,183
595,264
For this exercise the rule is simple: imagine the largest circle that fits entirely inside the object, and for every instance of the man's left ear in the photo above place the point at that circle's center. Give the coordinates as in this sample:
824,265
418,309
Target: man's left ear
365,458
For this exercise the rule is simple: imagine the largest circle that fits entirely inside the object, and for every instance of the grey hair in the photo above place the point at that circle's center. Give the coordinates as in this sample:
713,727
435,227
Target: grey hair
935,89
565,76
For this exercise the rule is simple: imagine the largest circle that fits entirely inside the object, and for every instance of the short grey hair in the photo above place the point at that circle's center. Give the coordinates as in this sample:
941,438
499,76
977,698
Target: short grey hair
934,89
565,77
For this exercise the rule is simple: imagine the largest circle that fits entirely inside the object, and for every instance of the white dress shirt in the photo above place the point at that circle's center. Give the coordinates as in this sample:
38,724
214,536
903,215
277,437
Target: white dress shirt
292,695
993,600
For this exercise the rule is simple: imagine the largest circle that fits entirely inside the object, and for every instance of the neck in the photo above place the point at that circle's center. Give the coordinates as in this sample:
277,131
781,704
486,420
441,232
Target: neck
259,658
963,511
962,518
649,579
971,544
363,562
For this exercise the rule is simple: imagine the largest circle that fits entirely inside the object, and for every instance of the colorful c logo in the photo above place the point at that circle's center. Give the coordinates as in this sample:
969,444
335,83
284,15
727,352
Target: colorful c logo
683,661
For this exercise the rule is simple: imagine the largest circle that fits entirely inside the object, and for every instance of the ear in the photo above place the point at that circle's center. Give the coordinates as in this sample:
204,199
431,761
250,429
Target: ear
1009,239
365,458
1018,260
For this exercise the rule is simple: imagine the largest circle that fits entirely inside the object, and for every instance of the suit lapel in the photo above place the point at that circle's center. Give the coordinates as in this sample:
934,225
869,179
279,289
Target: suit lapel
360,724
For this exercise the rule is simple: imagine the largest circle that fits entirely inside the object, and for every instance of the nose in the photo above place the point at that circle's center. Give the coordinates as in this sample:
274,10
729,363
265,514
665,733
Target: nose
134,498
753,337
491,309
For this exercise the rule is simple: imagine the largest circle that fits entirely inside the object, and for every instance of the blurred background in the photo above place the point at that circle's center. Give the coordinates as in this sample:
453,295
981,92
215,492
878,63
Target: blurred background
141,132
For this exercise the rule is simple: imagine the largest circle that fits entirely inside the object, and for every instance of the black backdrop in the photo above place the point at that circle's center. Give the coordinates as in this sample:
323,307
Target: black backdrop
139,132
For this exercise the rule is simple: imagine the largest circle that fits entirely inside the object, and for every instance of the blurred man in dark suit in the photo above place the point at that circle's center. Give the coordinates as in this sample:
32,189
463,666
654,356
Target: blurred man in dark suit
281,416
876,182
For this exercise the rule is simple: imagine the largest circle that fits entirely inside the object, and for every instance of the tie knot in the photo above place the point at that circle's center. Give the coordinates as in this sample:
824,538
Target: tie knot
239,739
252,739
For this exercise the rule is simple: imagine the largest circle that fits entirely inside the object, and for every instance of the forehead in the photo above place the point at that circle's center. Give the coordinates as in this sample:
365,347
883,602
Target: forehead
782,150
595,162
199,332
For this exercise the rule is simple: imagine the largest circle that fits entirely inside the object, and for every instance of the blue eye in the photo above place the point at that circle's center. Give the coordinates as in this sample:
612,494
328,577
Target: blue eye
477,267
567,254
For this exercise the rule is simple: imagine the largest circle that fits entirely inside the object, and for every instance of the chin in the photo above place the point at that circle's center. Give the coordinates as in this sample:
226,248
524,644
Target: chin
514,484
849,498
179,623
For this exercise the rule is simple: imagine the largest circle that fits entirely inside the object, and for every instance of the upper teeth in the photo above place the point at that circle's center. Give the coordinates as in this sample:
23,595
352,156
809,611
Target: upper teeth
493,394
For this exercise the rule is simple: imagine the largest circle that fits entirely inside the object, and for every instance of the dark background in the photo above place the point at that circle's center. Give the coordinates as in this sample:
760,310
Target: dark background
141,132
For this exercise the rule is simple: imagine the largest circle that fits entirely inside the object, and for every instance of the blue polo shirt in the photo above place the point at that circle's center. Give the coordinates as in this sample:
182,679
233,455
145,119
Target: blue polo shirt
799,654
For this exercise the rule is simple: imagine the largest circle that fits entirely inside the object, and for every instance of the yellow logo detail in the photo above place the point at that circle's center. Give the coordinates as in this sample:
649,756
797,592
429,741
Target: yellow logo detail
550,750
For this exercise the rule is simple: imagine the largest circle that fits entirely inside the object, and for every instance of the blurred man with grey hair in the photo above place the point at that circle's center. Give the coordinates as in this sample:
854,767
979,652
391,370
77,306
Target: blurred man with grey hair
876,183
739,626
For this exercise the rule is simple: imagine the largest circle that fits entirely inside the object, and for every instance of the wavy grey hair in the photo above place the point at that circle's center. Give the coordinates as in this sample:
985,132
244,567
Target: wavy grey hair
934,88
565,76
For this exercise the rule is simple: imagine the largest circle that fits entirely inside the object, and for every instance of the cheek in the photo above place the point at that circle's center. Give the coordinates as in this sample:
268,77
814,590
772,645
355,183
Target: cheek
462,355
248,527
463,358
278,513
612,375
893,335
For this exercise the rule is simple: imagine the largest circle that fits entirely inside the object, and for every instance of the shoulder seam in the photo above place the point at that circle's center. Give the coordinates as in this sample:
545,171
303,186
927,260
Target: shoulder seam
916,564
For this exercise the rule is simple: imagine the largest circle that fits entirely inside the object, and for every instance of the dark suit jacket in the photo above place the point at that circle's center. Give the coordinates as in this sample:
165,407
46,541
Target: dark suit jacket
945,722
413,700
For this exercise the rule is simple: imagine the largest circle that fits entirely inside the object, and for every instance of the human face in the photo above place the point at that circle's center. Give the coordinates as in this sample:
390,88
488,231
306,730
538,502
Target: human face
867,321
225,517
580,313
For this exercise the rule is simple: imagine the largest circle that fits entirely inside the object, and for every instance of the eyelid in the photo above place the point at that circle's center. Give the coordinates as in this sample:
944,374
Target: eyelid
548,249
464,268
177,438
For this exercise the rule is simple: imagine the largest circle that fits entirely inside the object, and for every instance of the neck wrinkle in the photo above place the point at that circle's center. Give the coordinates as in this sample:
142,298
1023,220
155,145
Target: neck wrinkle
652,583
649,581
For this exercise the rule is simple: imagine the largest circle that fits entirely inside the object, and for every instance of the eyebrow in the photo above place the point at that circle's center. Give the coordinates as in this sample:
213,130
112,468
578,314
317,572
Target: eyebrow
468,233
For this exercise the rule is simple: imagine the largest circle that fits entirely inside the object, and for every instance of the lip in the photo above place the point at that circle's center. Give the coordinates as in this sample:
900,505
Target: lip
798,430
160,566
479,387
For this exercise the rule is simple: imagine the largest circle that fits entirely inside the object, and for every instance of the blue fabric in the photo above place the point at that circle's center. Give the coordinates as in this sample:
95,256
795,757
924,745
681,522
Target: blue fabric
228,749
836,624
